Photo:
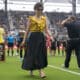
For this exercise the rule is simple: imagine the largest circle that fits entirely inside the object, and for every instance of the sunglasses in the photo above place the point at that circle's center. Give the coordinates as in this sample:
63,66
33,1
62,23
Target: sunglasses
40,9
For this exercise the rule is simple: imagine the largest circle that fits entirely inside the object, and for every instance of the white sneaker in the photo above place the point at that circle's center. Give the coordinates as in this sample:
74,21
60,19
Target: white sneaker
16,54
63,66
21,59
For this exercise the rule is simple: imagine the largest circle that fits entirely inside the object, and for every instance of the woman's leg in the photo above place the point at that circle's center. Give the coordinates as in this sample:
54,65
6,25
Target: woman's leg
31,72
41,73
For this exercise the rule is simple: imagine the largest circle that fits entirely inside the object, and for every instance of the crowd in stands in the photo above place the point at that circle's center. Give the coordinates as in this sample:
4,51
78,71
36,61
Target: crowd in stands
19,19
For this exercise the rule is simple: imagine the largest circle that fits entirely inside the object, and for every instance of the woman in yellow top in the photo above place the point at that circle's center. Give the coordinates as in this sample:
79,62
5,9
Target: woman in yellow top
36,53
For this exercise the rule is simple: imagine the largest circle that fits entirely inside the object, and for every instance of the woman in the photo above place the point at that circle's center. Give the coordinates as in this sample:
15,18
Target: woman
36,54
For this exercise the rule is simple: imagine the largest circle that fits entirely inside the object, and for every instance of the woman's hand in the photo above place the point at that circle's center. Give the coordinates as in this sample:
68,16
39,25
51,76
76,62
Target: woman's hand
22,43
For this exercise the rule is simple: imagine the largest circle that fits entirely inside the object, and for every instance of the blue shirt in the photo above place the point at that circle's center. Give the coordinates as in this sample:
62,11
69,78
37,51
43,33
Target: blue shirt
10,39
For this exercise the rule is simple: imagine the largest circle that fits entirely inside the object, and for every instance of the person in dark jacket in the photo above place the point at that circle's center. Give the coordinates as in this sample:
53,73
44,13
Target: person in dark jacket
73,27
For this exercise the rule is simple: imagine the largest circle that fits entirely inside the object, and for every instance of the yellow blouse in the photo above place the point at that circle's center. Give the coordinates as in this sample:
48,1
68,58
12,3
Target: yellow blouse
37,25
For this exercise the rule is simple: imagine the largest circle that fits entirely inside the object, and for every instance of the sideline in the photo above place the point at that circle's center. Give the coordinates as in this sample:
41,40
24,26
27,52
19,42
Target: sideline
63,69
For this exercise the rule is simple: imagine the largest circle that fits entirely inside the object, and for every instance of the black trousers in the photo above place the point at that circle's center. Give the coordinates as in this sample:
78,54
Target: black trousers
72,45
2,52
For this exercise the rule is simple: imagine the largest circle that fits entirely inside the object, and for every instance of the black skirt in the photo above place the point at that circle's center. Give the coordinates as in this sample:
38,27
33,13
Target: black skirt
36,52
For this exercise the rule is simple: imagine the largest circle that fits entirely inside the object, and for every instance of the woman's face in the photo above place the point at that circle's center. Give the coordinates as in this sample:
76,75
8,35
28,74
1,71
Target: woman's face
38,11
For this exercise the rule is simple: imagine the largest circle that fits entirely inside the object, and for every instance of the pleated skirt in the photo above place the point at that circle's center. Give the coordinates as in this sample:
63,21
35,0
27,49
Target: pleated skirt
35,56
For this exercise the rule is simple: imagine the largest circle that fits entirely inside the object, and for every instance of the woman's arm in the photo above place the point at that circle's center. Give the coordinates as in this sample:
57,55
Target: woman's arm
47,31
26,32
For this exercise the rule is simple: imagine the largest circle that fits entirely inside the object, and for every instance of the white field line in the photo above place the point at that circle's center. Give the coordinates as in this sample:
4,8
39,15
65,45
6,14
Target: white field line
66,70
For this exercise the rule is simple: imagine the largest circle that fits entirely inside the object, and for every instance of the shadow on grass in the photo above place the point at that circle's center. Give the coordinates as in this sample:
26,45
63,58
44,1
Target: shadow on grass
28,77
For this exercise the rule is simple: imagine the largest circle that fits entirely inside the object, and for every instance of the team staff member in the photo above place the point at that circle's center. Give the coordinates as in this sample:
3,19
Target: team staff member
73,27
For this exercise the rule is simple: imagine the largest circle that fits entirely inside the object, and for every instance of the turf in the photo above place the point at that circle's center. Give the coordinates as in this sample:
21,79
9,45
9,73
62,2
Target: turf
10,69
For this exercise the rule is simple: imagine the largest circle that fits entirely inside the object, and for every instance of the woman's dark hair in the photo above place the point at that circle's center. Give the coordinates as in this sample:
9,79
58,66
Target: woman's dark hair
38,6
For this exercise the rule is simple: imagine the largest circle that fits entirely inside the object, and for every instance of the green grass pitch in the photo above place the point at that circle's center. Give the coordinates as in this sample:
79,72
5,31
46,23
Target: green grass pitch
10,69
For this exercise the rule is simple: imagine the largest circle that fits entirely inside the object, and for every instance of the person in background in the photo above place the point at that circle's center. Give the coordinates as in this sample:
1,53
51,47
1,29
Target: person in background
53,47
58,46
10,43
2,34
19,39
64,43
73,43
2,41
54,42
48,43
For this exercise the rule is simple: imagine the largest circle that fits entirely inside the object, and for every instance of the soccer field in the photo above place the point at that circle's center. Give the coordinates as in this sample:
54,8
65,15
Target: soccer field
11,70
